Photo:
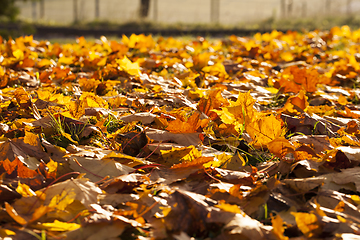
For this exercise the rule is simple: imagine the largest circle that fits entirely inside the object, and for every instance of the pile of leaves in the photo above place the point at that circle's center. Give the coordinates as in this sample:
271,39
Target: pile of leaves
162,138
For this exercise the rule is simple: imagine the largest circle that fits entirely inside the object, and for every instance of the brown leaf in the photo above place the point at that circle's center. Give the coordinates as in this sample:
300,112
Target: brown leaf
183,139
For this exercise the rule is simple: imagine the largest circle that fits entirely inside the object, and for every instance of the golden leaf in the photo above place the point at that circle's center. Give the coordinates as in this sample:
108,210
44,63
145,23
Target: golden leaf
264,130
188,126
176,155
307,223
58,226
278,227
31,139
25,190
342,100
18,54
280,146
129,67
228,207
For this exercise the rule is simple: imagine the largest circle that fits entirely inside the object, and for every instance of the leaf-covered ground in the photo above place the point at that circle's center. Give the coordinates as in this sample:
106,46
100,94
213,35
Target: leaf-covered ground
143,138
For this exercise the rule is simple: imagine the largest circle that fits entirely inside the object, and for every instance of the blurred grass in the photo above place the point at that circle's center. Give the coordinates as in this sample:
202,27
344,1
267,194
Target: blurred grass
308,24
297,24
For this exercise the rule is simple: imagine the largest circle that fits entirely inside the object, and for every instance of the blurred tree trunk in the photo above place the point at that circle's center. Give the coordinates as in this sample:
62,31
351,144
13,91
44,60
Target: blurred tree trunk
215,11
42,9
76,17
144,8
155,7
97,9
348,8
283,9
34,12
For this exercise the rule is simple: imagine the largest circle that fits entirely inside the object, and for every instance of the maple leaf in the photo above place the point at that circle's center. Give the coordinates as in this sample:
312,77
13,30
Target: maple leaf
296,104
264,130
127,66
239,113
97,169
28,150
59,226
81,190
189,126
280,147
176,155
278,227
307,223
214,101
299,78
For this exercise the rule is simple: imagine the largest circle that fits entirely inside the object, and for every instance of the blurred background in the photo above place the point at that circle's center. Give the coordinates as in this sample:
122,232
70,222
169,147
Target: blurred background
184,11
148,15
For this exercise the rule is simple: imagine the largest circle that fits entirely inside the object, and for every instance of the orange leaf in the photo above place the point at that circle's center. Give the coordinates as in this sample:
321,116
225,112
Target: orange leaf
280,147
31,139
189,126
196,162
264,130
342,100
22,98
295,78
296,104
14,215
278,227
214,101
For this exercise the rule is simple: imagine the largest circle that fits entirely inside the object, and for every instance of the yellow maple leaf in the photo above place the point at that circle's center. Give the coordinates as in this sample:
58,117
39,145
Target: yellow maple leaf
52,166
228,207
217,69
22,97
76,109
225,116
44,94
61,99
196,163
25,190
88,85
18,54
219,160
278,227
140,42
58,226
91,100
62,200
129,67
307,223
201,60
342,100
123,159
117,101
239,113
176,155
6,232
264,130
66,60
287,56
31,138
44,63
